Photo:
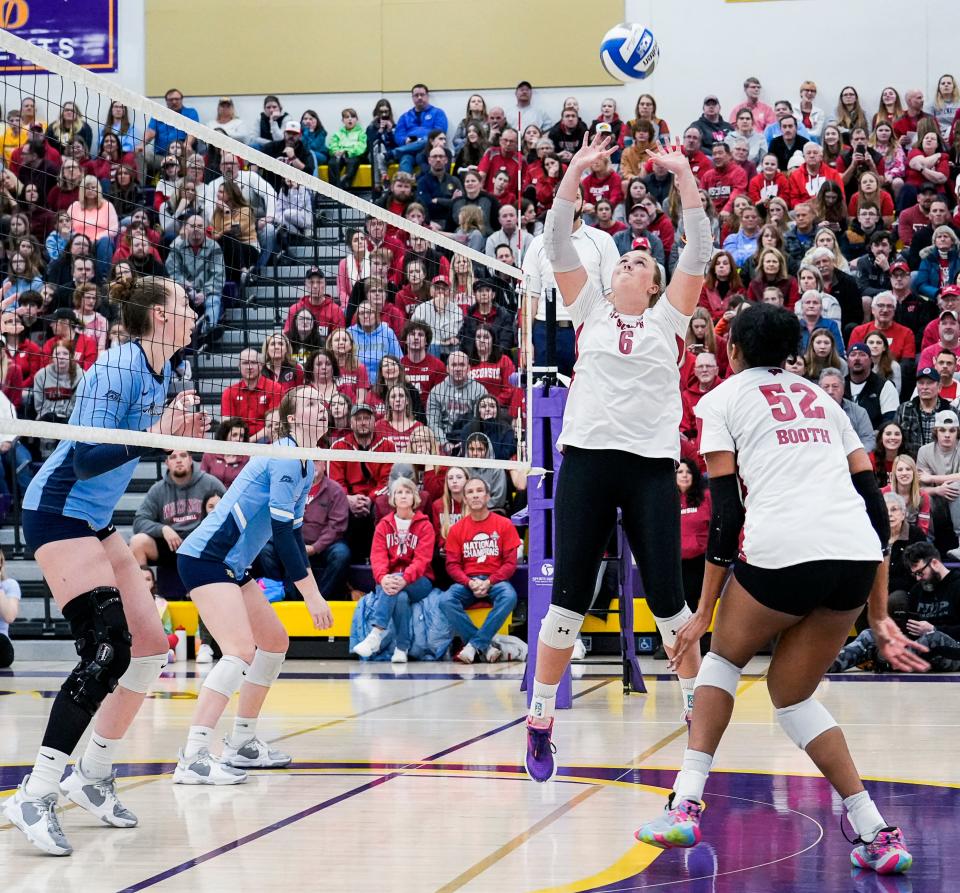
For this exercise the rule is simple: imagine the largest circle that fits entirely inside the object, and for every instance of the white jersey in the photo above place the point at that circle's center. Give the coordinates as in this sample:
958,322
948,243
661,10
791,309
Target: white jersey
791,440
626,387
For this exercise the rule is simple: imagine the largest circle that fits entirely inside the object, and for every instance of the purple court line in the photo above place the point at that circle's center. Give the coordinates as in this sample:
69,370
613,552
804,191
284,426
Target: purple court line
333,801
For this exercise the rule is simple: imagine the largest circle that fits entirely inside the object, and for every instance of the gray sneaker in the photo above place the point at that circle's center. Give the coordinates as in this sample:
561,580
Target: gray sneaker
204,768
98,796
37,818
254,754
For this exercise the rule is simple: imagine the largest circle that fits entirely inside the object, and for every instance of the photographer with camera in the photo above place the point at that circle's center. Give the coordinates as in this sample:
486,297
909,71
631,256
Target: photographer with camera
930,614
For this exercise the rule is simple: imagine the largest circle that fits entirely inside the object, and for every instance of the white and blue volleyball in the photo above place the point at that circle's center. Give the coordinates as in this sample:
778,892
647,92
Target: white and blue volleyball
629,52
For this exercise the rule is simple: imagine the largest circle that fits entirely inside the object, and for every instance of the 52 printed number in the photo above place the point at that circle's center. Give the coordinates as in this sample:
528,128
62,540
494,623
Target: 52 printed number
782,406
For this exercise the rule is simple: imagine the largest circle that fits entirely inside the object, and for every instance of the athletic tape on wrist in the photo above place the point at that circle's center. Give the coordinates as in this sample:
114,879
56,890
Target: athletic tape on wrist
265,667
227,675
805,721
143,672
668,626
699,248
560,627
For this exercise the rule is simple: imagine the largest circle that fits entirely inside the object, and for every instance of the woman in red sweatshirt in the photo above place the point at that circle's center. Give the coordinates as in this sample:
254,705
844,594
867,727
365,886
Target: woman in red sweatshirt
400,558
695,511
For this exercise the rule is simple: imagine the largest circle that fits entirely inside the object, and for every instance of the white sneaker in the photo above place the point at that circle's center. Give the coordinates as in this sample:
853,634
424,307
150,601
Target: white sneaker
492,654
253,754
399,657
204,768
466,655
204,654
37,818
370,645
579,650
98,796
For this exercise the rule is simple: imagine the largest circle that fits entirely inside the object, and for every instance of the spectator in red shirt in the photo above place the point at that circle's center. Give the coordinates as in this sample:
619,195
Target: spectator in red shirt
763,114
325,310
20,351
805,182
224,466
695,511
251,398
422,368
706,372
400,559
504,157
949,339
948,299
770,183
725,181
905,127
481,553
721,282
927,163
901,340
490,365
699,161
603,182
917,216
279,364
362,481
66,327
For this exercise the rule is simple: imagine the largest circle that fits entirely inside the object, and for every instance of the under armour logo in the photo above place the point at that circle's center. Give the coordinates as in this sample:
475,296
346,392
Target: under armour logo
566,632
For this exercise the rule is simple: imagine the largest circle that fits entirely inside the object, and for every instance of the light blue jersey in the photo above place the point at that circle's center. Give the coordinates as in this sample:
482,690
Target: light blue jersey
265,501
119,391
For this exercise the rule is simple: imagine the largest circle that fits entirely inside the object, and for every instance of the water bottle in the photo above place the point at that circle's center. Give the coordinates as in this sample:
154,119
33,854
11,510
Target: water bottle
181,650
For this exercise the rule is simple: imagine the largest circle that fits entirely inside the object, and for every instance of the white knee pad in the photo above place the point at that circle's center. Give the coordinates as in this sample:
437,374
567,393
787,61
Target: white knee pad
668,626
718,672
227,675
805,721
265,667
143,672
560,627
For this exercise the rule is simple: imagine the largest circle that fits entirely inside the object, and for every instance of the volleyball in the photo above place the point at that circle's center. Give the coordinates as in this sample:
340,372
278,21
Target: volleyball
629,52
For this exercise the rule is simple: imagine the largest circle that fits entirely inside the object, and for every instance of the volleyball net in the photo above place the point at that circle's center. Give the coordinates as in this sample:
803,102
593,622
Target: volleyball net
401,307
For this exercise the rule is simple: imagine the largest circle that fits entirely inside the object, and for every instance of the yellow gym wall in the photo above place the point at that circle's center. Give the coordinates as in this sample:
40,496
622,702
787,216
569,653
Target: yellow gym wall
253,47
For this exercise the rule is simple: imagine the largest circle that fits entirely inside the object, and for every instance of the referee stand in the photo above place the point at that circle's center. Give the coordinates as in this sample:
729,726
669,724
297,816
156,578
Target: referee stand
549,401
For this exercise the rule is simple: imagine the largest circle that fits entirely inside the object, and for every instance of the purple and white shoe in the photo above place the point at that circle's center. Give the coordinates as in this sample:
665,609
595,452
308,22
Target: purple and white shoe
539,763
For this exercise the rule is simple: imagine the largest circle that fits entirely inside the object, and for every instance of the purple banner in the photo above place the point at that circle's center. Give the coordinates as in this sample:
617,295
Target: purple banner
82,31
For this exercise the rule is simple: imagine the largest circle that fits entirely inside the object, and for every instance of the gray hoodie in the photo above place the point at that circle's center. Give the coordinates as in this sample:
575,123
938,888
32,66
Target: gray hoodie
447,403
179,507
495,478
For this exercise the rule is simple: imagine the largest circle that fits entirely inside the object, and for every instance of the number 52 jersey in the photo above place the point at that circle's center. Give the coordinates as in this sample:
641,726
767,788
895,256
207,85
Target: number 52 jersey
791,441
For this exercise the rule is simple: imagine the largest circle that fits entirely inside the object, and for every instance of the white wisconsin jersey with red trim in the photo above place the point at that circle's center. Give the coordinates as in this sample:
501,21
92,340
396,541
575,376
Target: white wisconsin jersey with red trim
791,441
626,387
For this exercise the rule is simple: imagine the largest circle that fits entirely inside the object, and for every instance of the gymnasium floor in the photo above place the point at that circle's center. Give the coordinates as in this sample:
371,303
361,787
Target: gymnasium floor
409,780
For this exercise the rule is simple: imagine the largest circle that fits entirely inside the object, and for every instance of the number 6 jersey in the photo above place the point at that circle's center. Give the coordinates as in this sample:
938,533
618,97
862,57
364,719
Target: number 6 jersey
626,387
791,441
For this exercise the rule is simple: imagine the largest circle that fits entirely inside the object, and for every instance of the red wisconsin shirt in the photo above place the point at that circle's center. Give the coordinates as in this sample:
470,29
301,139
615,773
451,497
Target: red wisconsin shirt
425,375
902,341
596,189
485,548
694,526
724,186
408,552
328,315
400,439
495,377
251,404
29,358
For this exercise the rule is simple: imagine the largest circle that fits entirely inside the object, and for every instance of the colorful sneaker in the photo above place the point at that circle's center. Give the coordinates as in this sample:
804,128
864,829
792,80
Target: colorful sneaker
867,881
37,818
204,768
887,854
98,796
253,754
540,764
679,826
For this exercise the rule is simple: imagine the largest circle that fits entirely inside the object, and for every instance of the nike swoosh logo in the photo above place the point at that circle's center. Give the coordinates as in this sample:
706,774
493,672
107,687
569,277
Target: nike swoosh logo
103,746
46,757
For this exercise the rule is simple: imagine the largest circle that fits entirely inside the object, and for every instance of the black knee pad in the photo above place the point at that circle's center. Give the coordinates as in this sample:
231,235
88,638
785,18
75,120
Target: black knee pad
99,626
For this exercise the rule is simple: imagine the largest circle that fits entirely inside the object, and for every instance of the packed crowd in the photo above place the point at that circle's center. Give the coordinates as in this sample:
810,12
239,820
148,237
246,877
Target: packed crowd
848,217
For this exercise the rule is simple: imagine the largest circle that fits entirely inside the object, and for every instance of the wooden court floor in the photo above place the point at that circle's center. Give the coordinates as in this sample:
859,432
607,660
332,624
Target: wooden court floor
409,780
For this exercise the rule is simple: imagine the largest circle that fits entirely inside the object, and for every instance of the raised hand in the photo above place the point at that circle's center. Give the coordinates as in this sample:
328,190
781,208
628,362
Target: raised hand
589,152
671,157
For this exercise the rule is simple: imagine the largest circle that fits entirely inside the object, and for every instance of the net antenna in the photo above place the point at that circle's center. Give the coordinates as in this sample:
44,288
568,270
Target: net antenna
53,83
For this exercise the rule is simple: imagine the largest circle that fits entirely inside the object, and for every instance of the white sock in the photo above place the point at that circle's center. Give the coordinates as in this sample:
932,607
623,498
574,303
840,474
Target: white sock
47,772
686,686
197,738
864,816
97,759
544,701
243,730
692,777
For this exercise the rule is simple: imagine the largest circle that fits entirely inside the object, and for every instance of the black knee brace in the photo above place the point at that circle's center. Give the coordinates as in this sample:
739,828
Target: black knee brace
98,623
